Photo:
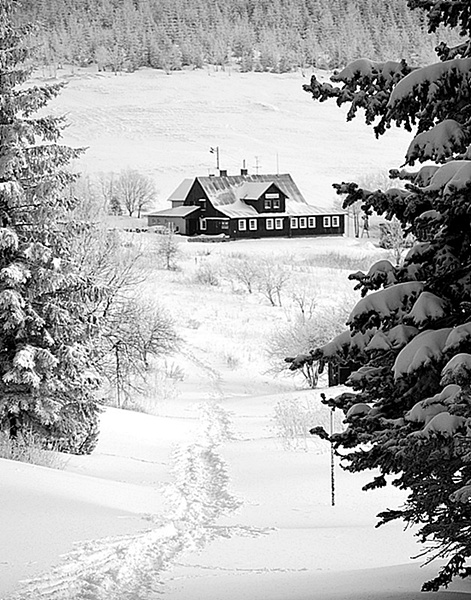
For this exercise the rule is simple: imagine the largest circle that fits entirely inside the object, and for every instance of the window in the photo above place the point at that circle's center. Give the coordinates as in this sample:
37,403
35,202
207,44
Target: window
326,221
202,203
267,204
294,222
272,195
278,223
203,224
311,222
224,224
335,221
276,204
253,224
242,225
269,223
303,222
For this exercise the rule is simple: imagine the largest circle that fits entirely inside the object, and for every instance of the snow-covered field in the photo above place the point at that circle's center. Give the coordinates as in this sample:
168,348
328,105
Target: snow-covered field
164,125
102,520
101,523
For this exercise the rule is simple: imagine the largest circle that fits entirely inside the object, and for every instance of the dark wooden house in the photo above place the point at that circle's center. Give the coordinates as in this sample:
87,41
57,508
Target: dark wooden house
245,206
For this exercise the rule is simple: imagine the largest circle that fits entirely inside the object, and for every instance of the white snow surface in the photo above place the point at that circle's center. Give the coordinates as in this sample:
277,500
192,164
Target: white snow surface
164,125
287,542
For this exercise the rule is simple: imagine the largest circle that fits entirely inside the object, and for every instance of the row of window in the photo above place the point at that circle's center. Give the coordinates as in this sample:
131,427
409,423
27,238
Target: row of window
277,223
295,222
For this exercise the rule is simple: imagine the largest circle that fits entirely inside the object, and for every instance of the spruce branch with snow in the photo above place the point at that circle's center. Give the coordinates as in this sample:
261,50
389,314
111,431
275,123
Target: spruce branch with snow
409,414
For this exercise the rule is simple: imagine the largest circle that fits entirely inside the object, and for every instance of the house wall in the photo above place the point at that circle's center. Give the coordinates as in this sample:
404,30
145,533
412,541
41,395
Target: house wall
195,195
177,224
324,225
262,229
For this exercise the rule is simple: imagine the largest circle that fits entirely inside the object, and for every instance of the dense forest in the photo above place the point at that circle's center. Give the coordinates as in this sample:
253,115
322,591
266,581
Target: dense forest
256,35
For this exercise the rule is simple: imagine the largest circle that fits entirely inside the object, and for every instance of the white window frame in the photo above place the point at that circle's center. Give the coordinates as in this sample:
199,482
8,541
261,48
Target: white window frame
279,223
294,222
269,224
276,203
302,222
242,225
203,225
272,195
311,222
267,204
326,222
335,221
253,224
224,224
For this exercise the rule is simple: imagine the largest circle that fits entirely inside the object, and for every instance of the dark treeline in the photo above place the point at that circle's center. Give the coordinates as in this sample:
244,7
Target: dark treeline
257,35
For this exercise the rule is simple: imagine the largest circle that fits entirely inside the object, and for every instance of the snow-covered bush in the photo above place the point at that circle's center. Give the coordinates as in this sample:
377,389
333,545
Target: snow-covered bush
293,418
411,331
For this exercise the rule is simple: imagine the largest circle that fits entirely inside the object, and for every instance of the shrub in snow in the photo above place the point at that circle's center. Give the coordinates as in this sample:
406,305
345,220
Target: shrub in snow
409,419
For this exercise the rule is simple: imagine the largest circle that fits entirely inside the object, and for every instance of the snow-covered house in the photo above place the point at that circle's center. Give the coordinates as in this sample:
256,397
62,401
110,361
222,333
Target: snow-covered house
245,206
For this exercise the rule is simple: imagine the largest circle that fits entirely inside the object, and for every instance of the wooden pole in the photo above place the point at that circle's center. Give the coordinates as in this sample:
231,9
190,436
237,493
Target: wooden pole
332,459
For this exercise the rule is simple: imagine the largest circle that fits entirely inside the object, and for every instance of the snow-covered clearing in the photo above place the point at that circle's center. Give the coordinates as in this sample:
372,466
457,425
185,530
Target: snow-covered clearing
285,542
164,125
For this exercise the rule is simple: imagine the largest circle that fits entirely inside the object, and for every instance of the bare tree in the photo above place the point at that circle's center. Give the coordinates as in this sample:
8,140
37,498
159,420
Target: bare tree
136,332
135,191
245,271
168,250
273,279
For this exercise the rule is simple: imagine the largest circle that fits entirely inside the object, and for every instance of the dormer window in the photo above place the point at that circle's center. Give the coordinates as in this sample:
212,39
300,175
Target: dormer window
276,203
267,204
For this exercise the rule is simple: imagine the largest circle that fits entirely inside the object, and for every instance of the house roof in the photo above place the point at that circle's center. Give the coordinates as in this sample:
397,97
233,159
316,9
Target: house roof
178,211
182,190
252,190
226,190
227,194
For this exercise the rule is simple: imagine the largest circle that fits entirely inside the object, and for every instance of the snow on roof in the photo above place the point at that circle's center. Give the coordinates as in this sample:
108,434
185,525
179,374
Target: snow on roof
226,190
178,211
239,209
182,190
252,190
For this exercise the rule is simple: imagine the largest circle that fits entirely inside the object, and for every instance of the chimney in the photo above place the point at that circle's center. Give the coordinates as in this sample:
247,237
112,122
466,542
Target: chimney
222,173
244,171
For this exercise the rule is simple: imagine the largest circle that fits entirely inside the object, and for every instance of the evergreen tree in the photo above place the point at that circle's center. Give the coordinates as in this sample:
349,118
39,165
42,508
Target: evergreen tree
409,414
46,379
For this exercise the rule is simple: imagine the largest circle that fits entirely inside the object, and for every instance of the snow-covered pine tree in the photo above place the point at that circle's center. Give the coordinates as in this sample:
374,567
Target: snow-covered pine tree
46,380
409,414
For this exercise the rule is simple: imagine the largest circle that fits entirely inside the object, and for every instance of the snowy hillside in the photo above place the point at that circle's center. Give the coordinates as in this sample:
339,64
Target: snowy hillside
164,126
